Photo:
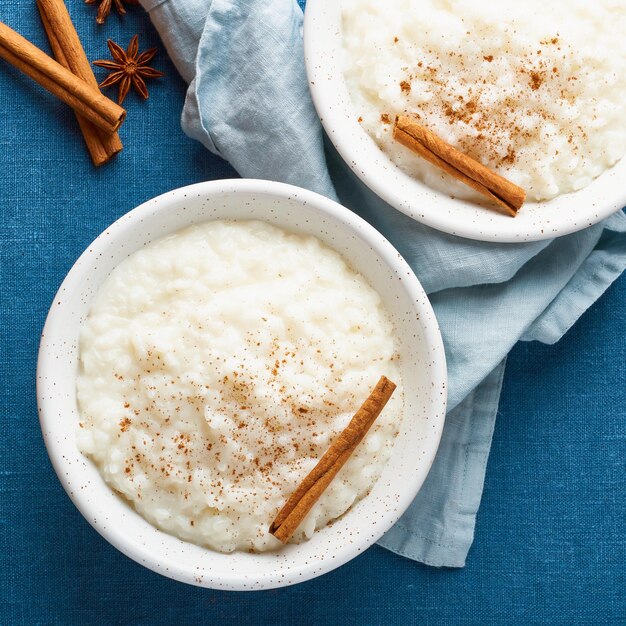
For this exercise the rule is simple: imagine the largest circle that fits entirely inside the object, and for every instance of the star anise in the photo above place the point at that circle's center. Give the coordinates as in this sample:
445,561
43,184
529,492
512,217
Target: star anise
129,68
105,8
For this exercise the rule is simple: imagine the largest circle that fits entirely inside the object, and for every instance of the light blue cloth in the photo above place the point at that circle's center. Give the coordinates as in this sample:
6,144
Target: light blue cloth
248,101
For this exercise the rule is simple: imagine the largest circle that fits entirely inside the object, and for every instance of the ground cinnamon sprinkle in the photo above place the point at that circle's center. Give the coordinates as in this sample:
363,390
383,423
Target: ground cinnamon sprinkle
536,80
488,137
509,157
239,388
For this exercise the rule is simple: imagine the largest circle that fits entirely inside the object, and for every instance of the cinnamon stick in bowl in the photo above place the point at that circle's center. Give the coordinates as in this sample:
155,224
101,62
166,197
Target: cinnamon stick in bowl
82,97
315,483
431,147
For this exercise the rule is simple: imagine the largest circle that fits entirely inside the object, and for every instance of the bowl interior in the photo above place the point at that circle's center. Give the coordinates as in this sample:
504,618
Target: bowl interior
535,221
422,363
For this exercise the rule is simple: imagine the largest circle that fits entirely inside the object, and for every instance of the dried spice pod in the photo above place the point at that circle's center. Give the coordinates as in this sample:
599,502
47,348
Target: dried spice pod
128,67
105,7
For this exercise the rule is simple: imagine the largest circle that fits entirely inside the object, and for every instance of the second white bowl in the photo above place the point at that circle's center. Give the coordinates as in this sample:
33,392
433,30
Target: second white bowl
323,47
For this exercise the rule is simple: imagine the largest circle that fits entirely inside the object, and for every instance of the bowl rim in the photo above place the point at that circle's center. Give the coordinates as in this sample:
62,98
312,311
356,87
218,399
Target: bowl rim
536,221
142,213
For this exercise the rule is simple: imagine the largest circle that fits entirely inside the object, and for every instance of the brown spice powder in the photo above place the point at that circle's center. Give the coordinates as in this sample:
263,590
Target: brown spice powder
458,94
536,80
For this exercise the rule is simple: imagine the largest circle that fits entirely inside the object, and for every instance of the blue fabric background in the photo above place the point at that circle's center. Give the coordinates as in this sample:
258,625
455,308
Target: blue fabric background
549,544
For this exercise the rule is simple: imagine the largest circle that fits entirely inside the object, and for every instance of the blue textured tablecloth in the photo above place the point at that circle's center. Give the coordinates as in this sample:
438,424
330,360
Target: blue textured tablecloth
549,545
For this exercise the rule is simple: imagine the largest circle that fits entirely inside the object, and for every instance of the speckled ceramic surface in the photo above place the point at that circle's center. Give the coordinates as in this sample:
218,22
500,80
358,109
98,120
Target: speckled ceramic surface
536,220
422,364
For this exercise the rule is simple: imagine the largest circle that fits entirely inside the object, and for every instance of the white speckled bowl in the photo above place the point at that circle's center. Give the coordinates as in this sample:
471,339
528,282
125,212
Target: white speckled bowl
536,220
422,363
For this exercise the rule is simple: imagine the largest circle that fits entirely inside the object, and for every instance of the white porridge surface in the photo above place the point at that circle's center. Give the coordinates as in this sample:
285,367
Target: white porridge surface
535,90
217,365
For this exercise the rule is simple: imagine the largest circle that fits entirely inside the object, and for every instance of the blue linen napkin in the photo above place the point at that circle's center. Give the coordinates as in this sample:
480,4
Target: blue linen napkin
248,101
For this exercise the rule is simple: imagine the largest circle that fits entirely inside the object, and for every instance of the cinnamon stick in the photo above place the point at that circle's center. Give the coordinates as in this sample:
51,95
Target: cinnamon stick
74,91
69,52
315,483
503,192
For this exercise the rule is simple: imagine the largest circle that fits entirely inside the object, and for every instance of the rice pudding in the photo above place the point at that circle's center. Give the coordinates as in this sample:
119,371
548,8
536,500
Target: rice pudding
216,367
534,90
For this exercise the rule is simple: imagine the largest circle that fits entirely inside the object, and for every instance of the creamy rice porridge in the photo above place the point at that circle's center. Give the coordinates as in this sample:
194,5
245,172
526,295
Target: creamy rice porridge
536,90
217,365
